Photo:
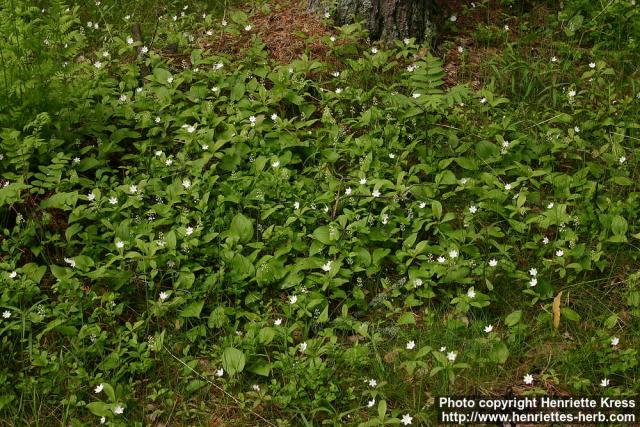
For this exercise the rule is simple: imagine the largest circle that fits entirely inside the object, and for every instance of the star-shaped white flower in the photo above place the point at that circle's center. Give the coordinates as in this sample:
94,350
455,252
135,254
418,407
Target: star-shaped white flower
277,322
6,314
533,282
406,419
533,272
327,266
471,293
559,252
119,244
371,403
219,372
493,262
604,382
473,209
113,200
375,193
293,299
363,181
186,183
452,355
441,259
347,191
453,254
275,164
411,345
528,379
615,341
13,274
247,28
98,388
118,410
133,189
488,328
163,296
303,347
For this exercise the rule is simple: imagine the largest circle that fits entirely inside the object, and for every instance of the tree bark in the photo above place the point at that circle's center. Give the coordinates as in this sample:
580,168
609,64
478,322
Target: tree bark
385,19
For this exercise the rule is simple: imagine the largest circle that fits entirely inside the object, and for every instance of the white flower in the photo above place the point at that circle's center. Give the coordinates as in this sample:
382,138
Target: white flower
71,262
209,32
604,382
224,23
416,95
327,266
406,41
443,349
452,356
507,186
118,410
215,89
441,259
274,116
622,159
417,283
186,183
275,164
170,79
363,181
374,50
168,162
158,153
533,272
103,420
392,156
256,387
97,64
471,293
219,65
332,38
129,40
219,372
339,90
371,403
615,341
460,49
406,419
473,209
144,49
411,68
411,345
327,15
191,128
205,147
373,383
98,388
113,200
277,322
545,240
592,65
13,274
189,231
483,100
453,253
6,314
559,252
453,18
576,129
119,244
296,205
91,197
252,119
506,28
488,328
493,262
463,181
303,346
336,74
375,193
572,93
133,189
293,299
528,379
550,205
554,59
533,282
163,296
247,28
347,191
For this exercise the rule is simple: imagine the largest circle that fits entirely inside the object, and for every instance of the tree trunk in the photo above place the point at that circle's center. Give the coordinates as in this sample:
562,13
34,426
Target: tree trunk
385,19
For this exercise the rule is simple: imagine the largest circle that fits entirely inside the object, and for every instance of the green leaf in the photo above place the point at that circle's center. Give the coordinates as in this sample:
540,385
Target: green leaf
382,409
242,227
233,360
436,208
217,318
192,310
99,409
406,319
513,318
499,353
486,150
619,225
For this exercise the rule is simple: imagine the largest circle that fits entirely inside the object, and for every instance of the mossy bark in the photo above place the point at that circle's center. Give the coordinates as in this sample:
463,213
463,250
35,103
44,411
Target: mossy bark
385,19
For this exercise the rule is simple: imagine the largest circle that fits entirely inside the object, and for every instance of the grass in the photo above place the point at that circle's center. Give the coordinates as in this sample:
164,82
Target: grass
220,230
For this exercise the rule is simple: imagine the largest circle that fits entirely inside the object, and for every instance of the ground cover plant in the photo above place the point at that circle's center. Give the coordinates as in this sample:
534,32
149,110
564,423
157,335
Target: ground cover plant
205,225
